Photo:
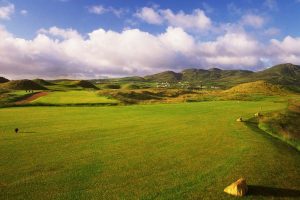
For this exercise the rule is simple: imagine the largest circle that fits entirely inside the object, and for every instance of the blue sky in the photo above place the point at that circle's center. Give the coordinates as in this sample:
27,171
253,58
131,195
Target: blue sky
136,37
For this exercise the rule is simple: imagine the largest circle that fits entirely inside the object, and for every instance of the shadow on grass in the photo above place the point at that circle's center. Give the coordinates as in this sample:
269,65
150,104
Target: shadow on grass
27,132
256,190
252,123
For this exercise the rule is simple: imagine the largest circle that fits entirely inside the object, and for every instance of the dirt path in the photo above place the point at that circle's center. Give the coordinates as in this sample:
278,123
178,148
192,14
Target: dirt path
31,98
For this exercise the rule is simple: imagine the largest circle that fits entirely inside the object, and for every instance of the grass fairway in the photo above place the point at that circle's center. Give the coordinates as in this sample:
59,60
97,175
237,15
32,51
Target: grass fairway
74,97
173,151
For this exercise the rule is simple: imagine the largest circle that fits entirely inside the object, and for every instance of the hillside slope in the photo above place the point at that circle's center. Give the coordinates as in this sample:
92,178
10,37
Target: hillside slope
22,85
261,87
287,75
3,80
85,84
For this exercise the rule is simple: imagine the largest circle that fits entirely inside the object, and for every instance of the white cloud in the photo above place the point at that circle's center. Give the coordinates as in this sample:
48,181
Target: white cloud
63,33
57,52
6,11
149,15
253,20
286,50
234,49
272,31
197,20
24,12
99,10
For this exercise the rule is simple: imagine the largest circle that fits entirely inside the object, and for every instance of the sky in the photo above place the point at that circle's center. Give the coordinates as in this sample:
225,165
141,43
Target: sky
88,39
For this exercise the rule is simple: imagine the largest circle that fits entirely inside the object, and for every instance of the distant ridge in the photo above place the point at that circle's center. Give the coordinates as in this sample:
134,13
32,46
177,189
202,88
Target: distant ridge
167,76
43,82
283,74
22,85
3,80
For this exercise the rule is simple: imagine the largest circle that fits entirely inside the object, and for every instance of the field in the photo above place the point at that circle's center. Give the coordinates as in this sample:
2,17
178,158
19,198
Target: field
163,151
73,97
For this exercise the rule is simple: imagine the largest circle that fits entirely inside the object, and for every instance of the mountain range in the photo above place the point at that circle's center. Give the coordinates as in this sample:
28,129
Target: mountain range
283,74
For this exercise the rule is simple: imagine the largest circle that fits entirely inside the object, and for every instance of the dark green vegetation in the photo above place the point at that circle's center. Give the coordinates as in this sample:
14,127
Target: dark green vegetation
284,74
3,80
284,124
186,145
287,75
111,86
172,151
85,84
43,82
22,85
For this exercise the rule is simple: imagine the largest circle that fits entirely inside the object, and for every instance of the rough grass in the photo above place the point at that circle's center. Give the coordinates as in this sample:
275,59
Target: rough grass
257,87
284,124
10,97
170,151
22,85
85,84
73,97
144,96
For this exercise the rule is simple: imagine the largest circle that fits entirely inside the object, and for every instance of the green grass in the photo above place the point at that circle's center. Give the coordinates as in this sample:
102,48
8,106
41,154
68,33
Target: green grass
171,151
13,96
284,124
73,97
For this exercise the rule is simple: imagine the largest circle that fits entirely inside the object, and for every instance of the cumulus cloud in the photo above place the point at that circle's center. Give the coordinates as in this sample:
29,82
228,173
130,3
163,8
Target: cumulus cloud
197,20
149,15
6,11
57,52
233,50
253,20
286,50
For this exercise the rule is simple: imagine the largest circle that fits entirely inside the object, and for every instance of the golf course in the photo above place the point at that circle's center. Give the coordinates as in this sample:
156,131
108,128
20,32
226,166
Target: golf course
159,151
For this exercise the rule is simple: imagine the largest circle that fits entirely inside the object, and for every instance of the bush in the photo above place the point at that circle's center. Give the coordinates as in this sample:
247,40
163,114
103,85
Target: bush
112,86
131,87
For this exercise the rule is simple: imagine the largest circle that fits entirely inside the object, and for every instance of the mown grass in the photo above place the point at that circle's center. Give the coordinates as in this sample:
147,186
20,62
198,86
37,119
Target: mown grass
170,151
73,97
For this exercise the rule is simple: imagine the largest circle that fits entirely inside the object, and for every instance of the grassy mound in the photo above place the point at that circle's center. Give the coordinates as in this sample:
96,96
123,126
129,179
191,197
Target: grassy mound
130,86
284,124
22,85
85,84
43,82
111,86
3,80
145,95
257,87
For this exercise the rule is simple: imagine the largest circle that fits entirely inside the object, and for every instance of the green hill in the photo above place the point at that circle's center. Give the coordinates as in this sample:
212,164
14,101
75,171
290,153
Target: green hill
283,74
261,87
214,74
3,80
167,76
287,75
22,85
43,82
85,84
